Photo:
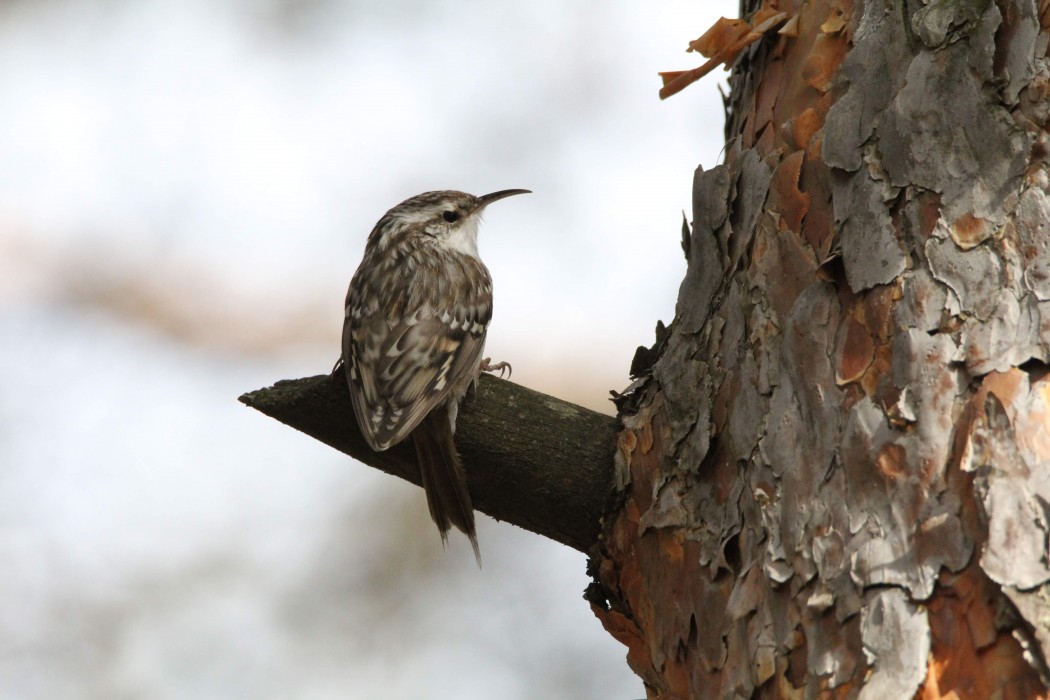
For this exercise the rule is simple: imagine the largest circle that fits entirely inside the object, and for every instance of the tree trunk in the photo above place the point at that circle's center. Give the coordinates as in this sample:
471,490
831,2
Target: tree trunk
836,473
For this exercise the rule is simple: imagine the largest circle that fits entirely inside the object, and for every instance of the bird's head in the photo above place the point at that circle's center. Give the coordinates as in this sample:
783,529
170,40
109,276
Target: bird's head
449,217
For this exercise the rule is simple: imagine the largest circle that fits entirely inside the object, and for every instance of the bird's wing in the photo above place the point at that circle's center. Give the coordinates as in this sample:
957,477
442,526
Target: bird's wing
399,370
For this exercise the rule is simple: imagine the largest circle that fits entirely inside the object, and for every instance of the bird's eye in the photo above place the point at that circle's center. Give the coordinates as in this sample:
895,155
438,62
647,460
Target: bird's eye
450,216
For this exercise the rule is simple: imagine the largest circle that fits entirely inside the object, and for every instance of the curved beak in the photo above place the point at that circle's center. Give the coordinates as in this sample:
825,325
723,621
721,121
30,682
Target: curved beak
487,199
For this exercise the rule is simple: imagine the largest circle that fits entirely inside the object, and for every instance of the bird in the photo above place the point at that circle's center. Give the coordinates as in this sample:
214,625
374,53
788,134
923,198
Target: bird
415,321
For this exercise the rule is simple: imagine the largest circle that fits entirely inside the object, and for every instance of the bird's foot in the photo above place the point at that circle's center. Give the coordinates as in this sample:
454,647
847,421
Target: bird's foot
501,367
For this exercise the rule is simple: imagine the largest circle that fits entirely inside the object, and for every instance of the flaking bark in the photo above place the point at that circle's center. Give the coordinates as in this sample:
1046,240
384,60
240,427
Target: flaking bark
531,459
836,473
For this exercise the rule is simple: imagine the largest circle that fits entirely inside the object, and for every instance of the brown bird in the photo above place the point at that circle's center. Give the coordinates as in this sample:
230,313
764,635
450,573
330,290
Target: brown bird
414,329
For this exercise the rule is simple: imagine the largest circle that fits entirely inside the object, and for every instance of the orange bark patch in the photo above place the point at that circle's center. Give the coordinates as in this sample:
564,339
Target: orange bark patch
969,231
621,627
1005,386
856,351
929,212
765,101
878,310
892,461
862,350
810,64
804,126
969,658
835,22
880,366
721,44
823,61
785,196
724,35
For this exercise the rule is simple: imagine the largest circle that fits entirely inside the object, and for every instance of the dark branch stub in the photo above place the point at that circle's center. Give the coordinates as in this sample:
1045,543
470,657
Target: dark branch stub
531,459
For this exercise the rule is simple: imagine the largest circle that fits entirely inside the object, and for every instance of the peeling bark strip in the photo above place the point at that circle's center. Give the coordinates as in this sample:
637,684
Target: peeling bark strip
837,472
531,459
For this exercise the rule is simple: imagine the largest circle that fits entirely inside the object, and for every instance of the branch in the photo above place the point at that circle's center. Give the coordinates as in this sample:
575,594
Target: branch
531,459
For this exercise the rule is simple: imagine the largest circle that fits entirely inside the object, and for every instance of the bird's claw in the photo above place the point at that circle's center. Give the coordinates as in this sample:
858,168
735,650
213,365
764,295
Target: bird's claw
501,367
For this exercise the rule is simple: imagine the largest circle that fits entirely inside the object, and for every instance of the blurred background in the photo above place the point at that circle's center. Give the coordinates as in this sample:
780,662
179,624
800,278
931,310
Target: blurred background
185,190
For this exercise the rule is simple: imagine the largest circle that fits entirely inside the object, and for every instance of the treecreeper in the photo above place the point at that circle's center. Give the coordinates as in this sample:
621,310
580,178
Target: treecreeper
416,316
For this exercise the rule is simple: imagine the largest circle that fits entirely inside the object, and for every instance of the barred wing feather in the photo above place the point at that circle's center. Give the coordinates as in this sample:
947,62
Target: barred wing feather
398,371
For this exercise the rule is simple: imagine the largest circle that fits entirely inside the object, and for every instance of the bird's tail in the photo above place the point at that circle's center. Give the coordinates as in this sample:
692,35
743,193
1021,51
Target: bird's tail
444,479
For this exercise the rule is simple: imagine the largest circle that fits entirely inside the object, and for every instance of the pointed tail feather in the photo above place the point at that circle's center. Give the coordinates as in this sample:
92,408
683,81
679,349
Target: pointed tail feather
444,479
